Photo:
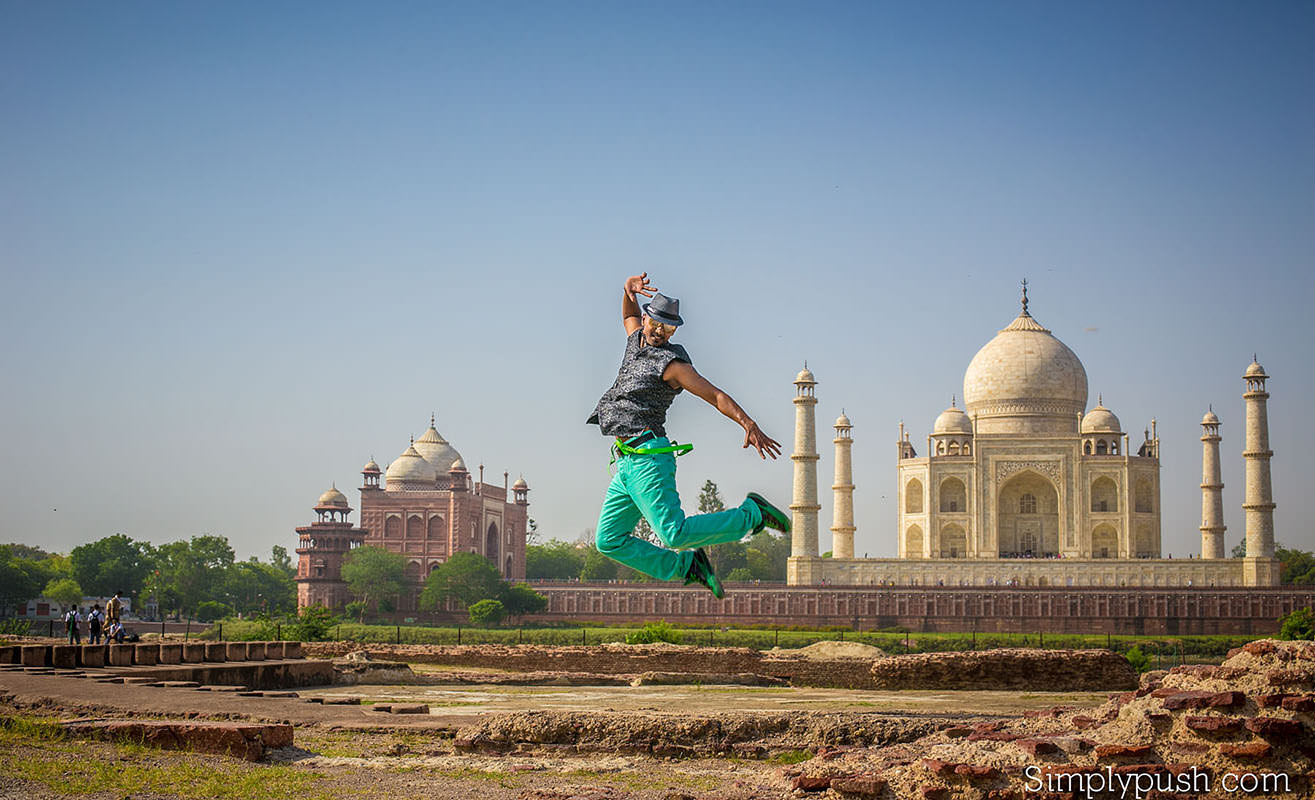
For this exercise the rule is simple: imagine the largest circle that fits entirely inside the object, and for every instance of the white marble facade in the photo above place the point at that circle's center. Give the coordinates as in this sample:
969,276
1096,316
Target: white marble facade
1023,486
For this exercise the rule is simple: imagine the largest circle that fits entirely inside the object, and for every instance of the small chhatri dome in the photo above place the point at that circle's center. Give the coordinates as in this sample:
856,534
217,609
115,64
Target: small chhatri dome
520,483
409,466
952,420
1210,418
457,466
1100,420
370,467
804,375
1255,370
842,421
333,497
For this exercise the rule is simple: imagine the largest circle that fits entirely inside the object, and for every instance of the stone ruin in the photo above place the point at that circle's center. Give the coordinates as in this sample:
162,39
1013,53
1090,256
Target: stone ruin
1244,728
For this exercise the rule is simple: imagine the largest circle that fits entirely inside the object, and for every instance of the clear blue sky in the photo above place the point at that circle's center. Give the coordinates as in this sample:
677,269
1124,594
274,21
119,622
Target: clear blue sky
247,246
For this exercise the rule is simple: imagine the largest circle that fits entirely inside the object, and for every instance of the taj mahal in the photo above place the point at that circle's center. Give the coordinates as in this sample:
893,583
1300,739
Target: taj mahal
1026,486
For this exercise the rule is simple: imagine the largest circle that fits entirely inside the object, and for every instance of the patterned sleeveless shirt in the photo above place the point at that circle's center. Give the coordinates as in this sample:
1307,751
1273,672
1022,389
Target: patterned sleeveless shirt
639,399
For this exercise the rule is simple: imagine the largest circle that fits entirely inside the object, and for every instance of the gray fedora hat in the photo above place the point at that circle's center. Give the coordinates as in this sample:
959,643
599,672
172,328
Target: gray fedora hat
664,309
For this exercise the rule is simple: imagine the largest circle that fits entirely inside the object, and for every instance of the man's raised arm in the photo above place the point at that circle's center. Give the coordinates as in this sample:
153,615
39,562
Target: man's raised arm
635,285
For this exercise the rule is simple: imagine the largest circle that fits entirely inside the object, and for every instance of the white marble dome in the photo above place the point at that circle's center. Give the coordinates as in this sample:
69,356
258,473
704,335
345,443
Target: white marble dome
1255,371
520,483
804,376
842,421
1025,381
370,467
1100,420
434,449
1210,418
410,467
952,421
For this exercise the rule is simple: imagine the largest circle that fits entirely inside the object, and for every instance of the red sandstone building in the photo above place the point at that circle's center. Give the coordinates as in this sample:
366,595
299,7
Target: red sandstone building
428,507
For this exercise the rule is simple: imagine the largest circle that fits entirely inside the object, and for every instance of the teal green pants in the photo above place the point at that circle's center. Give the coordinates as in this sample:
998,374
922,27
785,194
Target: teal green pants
646,485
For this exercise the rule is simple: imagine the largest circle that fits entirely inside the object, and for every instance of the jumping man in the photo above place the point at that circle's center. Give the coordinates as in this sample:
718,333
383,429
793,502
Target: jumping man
634,411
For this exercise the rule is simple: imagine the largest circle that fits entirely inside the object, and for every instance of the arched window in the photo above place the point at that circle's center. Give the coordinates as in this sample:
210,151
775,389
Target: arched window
415,527
1086,447
913,497
1104,495
913,542
940,448
393,528
1100,447
954,497
437,530
1114,447
1027,504
954,448
967,449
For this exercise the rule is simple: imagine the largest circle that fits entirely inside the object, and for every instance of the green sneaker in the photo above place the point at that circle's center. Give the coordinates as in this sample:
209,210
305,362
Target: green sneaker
700,572
773,517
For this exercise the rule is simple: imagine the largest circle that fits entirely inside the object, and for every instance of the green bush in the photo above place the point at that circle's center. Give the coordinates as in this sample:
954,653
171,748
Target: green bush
1139,660
313,624
487,613
652,632
1300,624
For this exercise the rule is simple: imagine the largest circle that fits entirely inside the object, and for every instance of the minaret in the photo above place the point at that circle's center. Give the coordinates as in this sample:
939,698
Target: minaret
1261,568
842,512
1212,490
804,507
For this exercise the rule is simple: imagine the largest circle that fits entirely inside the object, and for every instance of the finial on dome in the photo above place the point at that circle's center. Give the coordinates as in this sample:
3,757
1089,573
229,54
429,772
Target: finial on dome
413,438
1100,399
1210,407
431,419
1024,295
953,399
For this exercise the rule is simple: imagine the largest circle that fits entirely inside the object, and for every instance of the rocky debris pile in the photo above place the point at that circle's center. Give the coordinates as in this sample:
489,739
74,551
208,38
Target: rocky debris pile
247,740
1244,728
705,679
1009,668
747,734
835,651
603,659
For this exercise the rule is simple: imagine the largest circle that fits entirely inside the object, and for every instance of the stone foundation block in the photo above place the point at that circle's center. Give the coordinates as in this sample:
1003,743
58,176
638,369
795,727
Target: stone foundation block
193,652
236,651
241,739
64,656
256,651
170,653
146,655
293,650
92,655
36,655
11,654
120,655
216,651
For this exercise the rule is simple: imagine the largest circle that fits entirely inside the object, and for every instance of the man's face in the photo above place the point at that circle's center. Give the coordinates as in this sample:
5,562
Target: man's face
656,333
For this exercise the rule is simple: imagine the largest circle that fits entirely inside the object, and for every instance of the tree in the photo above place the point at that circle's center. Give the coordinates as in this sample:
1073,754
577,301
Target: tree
374,576
767,555
645,531
659,631
487,613
1300,624
211,610
740,575
520,599
1239,550
112,564
21,579
553,560
251,586
190,572
355,609
64,591
280,560
597,567
467,577
27,551
727,556
1297,566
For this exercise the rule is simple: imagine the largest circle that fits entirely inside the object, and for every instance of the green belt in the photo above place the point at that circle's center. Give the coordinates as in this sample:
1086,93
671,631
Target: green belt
624,449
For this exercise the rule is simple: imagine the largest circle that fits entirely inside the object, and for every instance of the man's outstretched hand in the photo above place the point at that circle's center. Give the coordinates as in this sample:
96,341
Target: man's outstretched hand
766,445
638,284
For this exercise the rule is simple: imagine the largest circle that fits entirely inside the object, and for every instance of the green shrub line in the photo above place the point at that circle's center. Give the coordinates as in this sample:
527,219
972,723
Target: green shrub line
892,642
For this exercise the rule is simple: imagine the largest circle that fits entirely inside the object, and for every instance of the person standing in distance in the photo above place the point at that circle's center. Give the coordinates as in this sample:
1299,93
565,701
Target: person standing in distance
634,412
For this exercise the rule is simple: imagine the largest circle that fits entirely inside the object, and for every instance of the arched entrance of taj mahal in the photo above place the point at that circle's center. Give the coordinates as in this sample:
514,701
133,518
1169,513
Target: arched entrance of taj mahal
1027,517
